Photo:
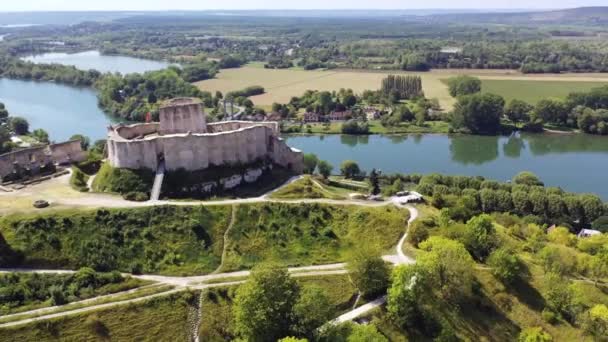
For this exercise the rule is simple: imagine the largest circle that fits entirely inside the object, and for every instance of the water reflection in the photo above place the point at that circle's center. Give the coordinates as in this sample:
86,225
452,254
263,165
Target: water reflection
474,150
514,146
354,140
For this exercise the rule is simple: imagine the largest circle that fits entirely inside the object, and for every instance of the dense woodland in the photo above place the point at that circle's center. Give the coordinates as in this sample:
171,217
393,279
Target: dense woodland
415,44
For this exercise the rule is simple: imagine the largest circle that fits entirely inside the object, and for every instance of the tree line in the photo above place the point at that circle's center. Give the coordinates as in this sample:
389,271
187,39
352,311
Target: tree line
481,113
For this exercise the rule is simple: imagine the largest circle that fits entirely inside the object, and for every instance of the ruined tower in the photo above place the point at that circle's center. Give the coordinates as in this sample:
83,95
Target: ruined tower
182,115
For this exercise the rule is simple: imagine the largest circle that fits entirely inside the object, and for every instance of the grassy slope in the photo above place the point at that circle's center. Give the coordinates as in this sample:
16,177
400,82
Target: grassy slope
189,240
305,188
306,234
167,240
501,312
217,322
159,319
533,91
126,284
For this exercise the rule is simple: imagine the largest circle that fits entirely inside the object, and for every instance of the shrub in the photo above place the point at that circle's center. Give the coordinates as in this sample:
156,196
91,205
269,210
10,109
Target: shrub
123,181
78,180
549,316
505,264
417,233
534,335
136,196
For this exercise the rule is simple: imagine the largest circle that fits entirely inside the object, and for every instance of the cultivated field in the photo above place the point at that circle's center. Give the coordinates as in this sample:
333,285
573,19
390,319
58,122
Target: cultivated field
533,91
281,85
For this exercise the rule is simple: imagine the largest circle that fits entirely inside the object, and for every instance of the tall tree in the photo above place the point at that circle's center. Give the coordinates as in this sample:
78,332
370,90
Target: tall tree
478,113
464,85
263,305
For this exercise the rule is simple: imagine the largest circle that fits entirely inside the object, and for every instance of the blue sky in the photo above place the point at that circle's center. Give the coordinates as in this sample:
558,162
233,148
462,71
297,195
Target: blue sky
62,5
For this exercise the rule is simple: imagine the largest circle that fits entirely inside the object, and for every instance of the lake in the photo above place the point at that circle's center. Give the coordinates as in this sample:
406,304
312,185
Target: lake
60,110
94,60
577,163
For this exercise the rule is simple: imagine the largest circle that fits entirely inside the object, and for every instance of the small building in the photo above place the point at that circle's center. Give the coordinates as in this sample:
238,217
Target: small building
550,229
372,113
311,117
584,233
340,116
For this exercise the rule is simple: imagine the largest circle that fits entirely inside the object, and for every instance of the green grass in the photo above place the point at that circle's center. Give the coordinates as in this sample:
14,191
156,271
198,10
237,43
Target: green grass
308,188
164,239
183,240
218,322
532,91
158,319
309,234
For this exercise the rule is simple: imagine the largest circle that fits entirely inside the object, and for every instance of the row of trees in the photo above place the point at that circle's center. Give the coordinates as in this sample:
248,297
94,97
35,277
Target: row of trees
403,87
482,113
468,196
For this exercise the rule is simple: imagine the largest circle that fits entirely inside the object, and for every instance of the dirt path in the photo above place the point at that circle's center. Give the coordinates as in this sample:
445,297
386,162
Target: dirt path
226,234
198,282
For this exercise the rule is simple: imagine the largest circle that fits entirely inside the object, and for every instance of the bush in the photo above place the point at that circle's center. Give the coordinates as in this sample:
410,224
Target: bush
123,181
549,316
505,264
136,196
534,335
350,169
78,180
417,233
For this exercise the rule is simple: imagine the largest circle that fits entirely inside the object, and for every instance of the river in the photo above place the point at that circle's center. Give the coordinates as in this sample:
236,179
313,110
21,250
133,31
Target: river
577,163
60,110
94,60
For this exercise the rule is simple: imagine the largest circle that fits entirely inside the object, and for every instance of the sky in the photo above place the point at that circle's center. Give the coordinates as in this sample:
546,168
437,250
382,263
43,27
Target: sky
96,5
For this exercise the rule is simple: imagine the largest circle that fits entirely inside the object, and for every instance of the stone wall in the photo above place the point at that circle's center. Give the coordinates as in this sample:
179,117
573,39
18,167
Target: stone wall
182,115
226,126
286,156
28,160
137,130
67,152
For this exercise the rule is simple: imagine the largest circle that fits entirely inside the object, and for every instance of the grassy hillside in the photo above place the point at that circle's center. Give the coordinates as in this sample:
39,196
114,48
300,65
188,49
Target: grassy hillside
158,319
168,240
189,240
499,310
306,234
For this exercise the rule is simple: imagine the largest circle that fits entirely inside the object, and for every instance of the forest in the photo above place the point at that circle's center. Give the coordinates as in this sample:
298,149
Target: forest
404,43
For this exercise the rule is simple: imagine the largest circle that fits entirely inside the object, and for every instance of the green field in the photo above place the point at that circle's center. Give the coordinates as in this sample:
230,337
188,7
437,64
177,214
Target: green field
532,91
158,319
282,85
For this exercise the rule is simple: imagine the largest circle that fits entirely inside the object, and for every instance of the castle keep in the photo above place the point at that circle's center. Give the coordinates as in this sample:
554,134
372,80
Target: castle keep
184,140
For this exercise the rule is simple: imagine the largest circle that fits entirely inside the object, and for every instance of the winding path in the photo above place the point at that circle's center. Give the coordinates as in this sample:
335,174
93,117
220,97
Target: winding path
221,279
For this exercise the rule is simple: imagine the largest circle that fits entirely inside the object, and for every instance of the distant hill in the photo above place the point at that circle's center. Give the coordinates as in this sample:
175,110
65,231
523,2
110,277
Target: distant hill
582,16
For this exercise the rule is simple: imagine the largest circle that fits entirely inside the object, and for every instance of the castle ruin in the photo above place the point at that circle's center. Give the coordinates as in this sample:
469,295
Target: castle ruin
183,140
